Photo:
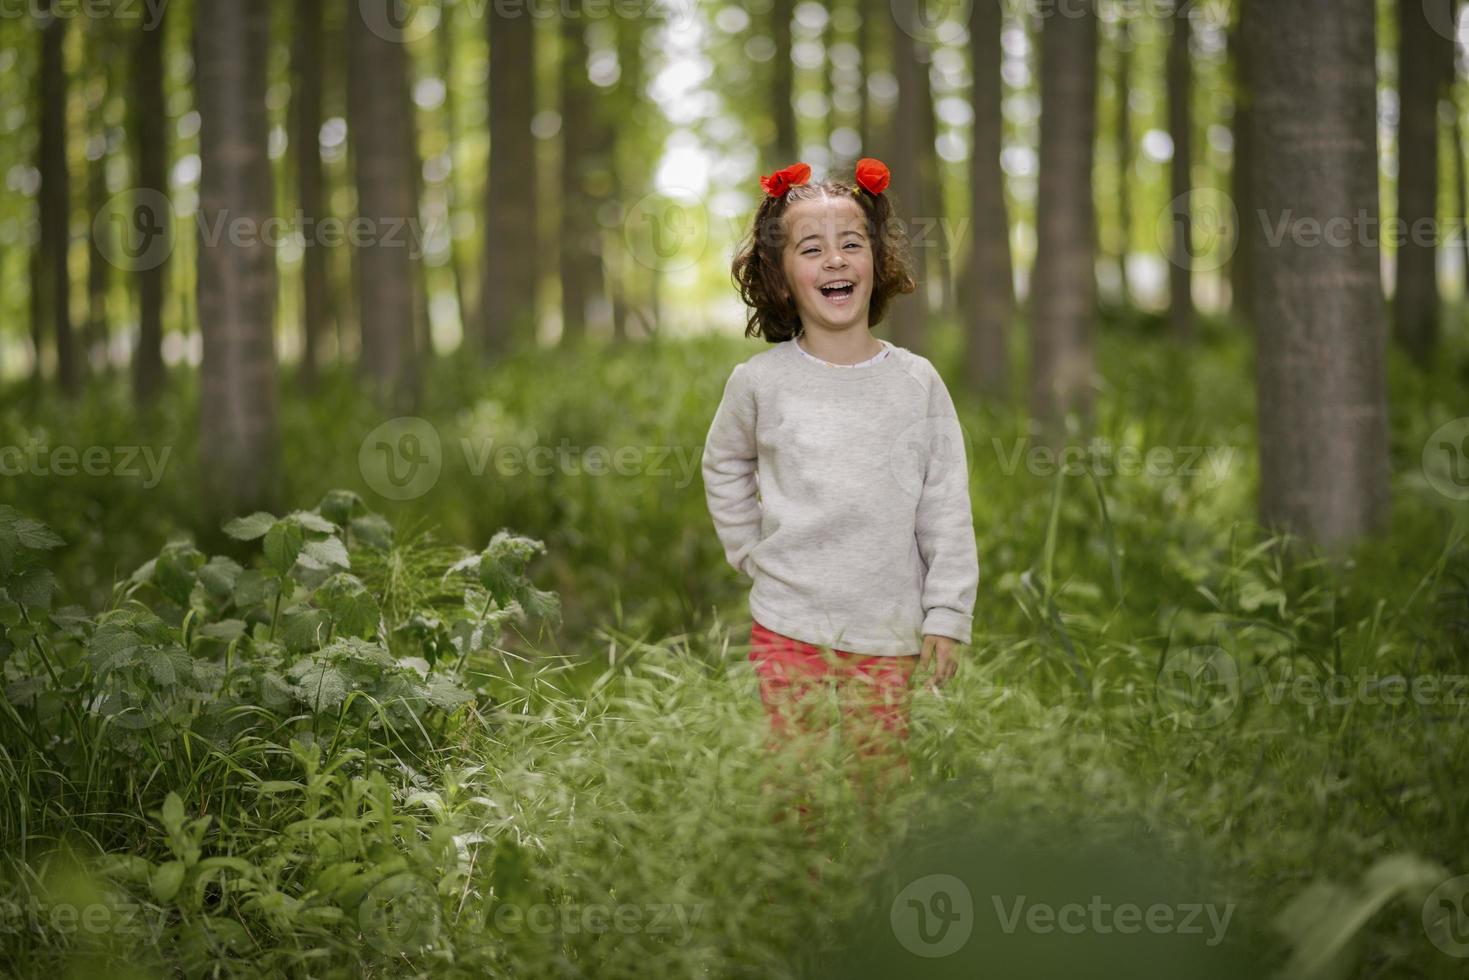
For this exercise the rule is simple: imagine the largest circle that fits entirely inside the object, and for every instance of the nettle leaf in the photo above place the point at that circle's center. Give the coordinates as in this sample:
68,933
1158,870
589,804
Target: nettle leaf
27,532
33,589
220,575
250,528
502,564
341,506
354,610
352,648
373,531
252,588
319,683
446,694
275,693
312,521
175,569
541,603
115,644
304,629
169,666
328,552
283,543
9,610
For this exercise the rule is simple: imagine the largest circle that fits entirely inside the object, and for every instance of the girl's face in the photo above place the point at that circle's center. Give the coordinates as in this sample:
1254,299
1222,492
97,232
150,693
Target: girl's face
827,261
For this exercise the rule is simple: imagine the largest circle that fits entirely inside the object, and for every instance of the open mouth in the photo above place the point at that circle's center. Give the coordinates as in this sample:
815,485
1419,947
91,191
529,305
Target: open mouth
839,292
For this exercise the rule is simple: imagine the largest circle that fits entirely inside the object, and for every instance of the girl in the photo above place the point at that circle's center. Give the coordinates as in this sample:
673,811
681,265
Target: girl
835,469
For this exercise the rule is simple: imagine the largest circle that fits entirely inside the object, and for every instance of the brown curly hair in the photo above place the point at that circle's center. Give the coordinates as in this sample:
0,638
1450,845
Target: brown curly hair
760,277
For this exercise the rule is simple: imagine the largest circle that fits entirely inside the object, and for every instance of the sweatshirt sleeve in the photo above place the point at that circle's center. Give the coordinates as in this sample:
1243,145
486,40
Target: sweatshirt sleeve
945,525
730,482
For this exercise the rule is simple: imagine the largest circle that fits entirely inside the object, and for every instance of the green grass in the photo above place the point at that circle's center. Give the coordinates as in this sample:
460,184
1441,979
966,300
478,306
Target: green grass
617,762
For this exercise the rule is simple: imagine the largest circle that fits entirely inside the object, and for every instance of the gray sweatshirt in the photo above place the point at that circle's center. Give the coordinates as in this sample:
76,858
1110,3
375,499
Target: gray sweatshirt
844,495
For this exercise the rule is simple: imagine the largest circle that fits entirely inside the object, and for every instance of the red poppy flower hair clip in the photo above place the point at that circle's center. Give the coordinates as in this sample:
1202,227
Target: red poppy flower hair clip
873,175
782,180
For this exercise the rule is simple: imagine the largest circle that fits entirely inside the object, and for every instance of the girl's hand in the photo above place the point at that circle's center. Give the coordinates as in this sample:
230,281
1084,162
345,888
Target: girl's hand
938,650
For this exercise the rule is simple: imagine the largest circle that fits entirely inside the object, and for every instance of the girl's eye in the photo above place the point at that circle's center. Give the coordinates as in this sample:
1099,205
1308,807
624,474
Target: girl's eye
810,251
854,244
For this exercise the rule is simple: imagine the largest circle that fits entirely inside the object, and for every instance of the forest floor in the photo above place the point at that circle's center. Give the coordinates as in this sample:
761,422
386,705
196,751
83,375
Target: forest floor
376,736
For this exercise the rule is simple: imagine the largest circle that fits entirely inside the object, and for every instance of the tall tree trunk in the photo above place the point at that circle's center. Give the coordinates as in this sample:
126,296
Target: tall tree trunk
1125,41
99,270
1318,311
1461,192
511,270
149,118
453,184
55,202
307,54
910,314
577,223
866,16
989,292
382,125
782,86
237,275
933,224
1180,127
1424,57
1064,281
1247,226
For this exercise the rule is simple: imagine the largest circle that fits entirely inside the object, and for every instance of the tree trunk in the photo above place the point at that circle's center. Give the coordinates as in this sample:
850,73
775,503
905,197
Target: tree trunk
453,184
989,292
99,270
382,126
306,72
1239,176
577,224
150,117
866,134
1461,193
1180,127
931,214
1125,42
782,85
511,271
1318,308
910,314
237,275
1064,282
1423,55
55,203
